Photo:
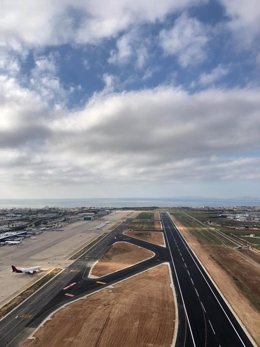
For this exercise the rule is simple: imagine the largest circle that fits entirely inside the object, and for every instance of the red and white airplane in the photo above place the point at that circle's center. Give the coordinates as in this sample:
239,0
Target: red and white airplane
27,270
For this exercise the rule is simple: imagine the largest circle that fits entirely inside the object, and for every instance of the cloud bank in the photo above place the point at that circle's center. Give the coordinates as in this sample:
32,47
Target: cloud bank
159,134
100,93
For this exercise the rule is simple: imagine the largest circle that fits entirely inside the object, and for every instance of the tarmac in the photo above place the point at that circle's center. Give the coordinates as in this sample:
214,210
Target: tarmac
50,249
20,322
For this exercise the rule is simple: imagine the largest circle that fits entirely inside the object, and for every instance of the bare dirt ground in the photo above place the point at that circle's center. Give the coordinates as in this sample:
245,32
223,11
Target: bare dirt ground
136,312
120,256
48,250
157,225
243,270
255,255
214,259
157,215
154,237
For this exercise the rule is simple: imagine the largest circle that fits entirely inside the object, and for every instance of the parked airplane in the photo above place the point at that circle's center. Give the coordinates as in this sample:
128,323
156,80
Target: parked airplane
13,242
28,270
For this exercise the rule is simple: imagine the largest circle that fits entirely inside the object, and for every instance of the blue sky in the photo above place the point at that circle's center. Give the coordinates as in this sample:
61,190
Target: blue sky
124,99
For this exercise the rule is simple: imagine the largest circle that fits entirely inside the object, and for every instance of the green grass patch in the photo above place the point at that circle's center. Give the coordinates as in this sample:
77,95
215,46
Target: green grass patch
252,240
146,215
144,221
142,233
142,225
203,234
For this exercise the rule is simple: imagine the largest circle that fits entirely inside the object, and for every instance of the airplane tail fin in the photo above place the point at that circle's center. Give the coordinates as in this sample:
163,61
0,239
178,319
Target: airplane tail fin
15,269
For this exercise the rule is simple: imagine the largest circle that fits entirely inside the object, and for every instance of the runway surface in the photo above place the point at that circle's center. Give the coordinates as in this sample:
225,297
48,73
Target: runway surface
21,322
205,319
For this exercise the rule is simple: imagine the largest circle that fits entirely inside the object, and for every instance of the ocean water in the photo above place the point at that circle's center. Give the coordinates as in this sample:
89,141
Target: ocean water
127,202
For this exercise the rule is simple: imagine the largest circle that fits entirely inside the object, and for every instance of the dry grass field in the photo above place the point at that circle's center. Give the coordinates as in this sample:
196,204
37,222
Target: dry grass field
154,237
136,312
120,256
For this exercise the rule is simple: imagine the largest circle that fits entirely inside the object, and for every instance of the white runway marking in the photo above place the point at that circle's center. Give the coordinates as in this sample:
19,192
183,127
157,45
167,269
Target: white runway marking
212,327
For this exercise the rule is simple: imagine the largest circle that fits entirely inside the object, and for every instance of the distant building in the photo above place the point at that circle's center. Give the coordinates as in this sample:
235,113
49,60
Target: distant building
103,213
88,217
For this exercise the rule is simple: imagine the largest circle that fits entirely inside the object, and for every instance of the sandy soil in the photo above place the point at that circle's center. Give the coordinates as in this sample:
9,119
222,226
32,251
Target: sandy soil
157,225
157,215
120,256
249,316
252,254
136,312
154,237
47,250
157,221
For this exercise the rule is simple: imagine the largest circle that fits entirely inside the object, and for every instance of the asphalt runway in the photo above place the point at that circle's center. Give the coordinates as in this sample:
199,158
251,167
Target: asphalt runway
205,319
21,322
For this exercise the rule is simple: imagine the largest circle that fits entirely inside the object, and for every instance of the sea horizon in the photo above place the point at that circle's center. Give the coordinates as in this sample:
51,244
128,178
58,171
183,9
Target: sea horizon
128,202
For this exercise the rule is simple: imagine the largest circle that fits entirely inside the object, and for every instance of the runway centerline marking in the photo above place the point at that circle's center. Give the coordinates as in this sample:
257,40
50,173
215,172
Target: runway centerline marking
212,327
176,275
209,285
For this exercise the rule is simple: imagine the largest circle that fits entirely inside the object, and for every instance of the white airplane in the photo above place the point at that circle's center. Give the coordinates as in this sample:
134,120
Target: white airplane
27,270
13,242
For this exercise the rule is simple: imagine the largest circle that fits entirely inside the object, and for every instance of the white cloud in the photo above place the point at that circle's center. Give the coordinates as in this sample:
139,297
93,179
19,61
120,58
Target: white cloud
244,19
9,64
186,40
44,80
23,117
109,81
45,64
46,22
213,76
123,53
156,135
130,48
159,135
